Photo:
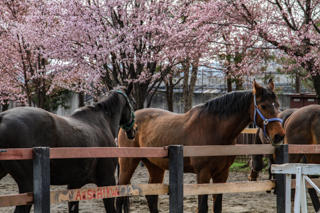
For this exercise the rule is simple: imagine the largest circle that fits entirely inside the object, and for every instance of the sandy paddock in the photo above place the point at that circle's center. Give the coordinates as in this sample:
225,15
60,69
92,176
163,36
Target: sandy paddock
261,202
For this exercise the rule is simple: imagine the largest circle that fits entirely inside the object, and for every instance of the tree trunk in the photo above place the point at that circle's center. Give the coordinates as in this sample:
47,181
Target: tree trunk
81,99
309,65
298,83
169,93
5,106
140,93
185,66
188,87
316,84
229,82
239,83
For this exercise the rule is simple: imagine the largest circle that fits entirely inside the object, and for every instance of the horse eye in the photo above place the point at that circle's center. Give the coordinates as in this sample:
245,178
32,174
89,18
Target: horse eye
263,106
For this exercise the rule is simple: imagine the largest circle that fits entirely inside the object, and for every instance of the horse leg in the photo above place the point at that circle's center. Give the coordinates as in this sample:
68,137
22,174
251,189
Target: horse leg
156,175
256,167
74,205
221,176
270,162
23,188
127,166
106,178
253,176
3,172
203,176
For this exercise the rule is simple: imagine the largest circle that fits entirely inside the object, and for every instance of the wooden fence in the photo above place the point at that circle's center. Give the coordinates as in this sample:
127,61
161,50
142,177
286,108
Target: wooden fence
41,156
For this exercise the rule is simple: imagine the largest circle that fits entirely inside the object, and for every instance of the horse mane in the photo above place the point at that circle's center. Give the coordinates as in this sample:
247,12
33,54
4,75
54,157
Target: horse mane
286,115
233,102
108,104
228,104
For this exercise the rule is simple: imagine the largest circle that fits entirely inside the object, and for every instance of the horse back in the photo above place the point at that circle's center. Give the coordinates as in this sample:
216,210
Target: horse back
157,128
303,126
25,126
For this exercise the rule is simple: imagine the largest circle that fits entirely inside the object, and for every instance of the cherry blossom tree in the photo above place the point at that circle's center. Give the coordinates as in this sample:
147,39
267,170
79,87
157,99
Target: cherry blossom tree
24,64
92,46
117,42
292,26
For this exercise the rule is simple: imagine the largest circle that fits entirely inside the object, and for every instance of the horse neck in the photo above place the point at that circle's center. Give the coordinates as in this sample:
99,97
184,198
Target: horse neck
239,122
113,118
103,117
228,126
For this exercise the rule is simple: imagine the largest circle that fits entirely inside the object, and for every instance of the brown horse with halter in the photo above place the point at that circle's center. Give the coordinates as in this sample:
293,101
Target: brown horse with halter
256,161
217,122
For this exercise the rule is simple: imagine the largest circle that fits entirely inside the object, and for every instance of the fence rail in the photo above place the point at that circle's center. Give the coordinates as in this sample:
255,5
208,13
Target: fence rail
228,150
154,189
16,200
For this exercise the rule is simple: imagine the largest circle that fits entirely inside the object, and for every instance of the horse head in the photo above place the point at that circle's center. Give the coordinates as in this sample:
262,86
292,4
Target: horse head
265,112
127,116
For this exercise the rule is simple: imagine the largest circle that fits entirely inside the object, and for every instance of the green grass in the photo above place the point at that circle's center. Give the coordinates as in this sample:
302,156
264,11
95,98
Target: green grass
239,166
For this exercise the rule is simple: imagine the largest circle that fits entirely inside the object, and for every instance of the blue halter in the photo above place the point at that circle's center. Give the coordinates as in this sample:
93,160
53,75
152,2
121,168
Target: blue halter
265,120
130,124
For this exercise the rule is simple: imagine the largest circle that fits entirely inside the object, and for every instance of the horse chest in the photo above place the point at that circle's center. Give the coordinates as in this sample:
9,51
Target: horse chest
74,170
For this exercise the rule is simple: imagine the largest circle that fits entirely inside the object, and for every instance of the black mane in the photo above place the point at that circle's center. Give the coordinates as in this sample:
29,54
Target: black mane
229,103
107,104
234,102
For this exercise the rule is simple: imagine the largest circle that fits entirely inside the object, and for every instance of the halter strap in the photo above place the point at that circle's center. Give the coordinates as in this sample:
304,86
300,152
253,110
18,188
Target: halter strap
265,120
130,124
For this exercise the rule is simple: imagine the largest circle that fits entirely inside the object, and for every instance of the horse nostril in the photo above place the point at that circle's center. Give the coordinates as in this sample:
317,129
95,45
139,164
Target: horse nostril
131,134
278,138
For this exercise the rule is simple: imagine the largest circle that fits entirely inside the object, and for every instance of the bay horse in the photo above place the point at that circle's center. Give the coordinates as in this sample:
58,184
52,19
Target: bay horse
256,161
89,126
217,122
303,127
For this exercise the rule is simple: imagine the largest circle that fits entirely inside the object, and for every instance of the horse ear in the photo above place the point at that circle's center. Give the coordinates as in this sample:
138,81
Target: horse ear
256,88
129,88
271,84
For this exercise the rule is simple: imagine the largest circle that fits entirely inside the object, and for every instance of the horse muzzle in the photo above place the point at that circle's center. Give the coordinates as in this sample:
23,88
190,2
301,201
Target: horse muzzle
278,139
131,133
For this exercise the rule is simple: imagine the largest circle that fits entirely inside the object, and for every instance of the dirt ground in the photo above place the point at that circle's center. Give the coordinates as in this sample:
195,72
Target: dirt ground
261,202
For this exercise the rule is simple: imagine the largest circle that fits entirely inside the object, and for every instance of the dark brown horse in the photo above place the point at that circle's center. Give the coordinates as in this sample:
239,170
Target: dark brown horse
256,161
90,126
303,127
217,122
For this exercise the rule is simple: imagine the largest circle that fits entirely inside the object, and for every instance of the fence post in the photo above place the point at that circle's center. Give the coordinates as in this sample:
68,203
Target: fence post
283,181
41,179
175,153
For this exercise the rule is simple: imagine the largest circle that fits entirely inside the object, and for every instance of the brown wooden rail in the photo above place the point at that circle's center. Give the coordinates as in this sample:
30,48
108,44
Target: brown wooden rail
16,200
227,150
303,149
249,131
107,152
86,152
145,189
108,192
16,154
158,189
